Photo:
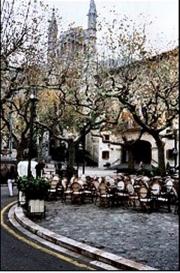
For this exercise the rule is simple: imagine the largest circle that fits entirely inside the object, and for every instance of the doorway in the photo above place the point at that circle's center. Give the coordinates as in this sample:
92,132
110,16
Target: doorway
141,151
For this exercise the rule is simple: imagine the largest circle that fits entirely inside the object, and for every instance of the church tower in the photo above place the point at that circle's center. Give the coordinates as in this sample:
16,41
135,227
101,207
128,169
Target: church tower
92,20
52,37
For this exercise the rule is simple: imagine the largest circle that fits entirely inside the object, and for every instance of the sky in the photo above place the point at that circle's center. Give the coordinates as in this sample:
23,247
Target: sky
162,13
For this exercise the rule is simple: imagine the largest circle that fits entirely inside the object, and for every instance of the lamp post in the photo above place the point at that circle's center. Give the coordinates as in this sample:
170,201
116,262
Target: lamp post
175,152
83,147
10,134
10,128
70,155
77,155
33,100
83,166
81,150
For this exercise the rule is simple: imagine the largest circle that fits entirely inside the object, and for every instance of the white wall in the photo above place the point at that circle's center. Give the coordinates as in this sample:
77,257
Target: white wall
96,146
92,146
114,154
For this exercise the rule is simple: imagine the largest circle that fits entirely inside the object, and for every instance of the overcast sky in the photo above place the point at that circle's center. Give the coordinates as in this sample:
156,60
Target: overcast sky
163,14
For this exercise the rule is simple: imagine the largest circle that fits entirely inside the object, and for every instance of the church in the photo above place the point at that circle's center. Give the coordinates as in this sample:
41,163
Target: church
79,40
73,40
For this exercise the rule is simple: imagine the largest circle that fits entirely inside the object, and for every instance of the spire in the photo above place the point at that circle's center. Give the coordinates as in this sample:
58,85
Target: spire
92,15
92,8
53,23
52,35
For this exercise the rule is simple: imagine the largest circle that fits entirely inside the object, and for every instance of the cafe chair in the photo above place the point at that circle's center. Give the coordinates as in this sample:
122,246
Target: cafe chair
77,193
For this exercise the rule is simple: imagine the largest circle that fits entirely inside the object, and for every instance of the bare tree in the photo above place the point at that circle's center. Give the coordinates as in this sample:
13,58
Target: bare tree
21,63
143,81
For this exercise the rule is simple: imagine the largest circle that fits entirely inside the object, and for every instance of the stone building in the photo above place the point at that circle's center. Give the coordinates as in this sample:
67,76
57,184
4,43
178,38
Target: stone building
76,39
145,149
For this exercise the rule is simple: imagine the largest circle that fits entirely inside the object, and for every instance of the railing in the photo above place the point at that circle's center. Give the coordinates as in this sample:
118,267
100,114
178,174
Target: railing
116,161
154,161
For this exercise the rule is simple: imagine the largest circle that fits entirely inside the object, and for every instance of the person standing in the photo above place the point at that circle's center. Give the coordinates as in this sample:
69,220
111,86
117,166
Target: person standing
11,177
39,168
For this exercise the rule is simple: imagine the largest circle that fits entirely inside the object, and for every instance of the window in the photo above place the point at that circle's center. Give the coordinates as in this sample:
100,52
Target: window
106,137
105,155
170,154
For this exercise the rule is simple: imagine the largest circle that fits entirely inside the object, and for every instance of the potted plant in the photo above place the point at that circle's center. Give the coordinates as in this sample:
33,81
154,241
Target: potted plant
35,191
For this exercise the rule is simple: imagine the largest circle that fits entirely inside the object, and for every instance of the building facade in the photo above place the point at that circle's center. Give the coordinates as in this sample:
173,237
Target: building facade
145,150
107,154
77,39
74,40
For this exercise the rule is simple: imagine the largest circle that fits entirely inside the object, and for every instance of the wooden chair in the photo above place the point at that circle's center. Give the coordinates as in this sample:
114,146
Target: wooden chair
67,192
94,189
103,195
133,196
122,193
77,193
161,194
155,191
88,193
52,192
60,190
144,197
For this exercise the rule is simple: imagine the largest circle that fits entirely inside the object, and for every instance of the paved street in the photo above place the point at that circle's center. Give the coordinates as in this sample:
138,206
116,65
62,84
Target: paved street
19,256
151,239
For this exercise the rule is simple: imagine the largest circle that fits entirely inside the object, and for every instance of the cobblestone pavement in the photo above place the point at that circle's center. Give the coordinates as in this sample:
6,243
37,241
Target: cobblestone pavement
151,239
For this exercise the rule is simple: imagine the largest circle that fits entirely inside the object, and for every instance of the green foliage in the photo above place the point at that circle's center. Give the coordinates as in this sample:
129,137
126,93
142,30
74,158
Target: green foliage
22,183
34,188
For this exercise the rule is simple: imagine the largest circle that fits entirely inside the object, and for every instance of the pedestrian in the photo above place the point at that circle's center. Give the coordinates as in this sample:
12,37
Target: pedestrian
3,174
11,178
39,168
58,169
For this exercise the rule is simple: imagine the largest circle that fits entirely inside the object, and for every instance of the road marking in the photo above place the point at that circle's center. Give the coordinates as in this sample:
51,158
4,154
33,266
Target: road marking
34,245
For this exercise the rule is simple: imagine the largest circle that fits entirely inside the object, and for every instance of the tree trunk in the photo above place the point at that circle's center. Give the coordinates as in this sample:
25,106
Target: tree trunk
20,152
130,158
40,148
71,159
161,157
21,146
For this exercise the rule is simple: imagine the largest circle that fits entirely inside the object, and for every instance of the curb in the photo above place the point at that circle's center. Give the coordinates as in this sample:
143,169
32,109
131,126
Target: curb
92,252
